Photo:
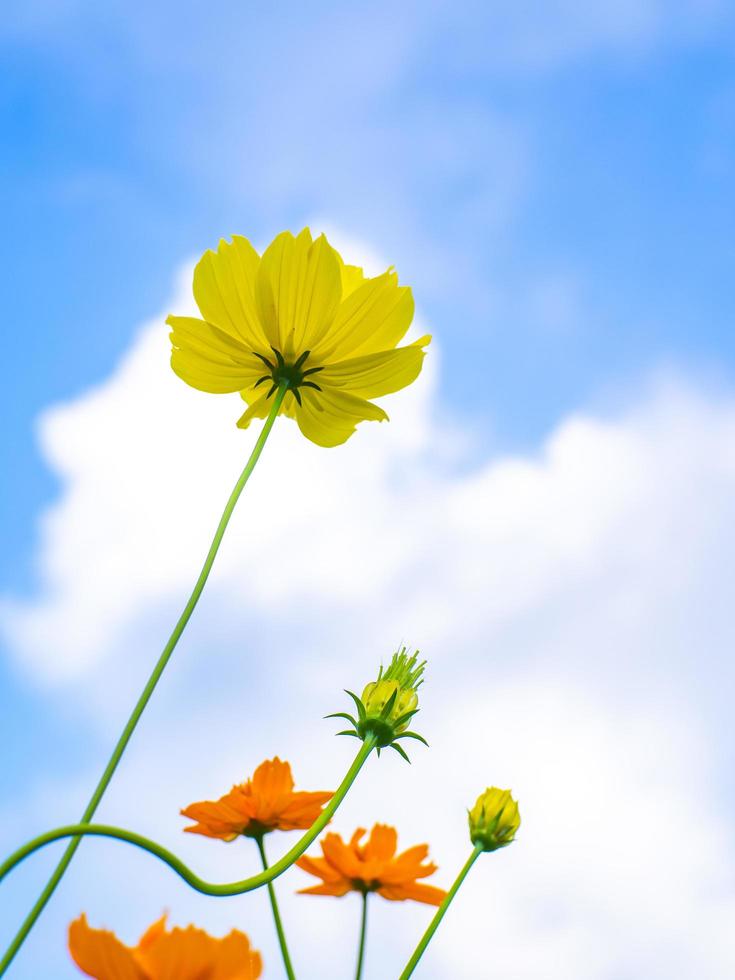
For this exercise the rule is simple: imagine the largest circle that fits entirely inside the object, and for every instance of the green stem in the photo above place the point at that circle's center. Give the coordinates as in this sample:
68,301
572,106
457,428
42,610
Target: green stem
363,932
434,924
199,884
276,914
147,690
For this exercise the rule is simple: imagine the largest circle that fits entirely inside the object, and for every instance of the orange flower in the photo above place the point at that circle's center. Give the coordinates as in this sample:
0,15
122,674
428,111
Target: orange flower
183,954
372,867
261,804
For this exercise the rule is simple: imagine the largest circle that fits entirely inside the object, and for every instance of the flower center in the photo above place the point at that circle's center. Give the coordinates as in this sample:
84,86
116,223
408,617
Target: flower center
365,886
293,375
257,829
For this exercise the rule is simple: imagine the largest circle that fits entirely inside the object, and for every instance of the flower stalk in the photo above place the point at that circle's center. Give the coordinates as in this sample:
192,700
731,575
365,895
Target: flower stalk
147,691
276,914
192,879
363,934
440,913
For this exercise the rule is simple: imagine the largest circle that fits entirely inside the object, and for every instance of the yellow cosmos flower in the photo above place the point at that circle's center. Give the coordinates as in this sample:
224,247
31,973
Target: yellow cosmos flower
297,315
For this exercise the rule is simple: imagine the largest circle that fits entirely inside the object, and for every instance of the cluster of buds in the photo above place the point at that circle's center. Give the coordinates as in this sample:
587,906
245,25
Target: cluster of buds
388,704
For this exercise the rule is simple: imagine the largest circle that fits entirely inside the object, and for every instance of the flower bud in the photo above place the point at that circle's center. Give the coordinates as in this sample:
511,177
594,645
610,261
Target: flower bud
388,703
494,819
377,694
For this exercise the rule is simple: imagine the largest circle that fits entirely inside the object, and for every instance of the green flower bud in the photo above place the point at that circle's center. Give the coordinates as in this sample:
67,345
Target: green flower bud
494,819
377,694
388,703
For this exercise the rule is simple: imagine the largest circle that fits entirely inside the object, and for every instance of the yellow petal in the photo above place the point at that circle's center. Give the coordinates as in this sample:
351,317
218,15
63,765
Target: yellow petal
251,395
329,417
298,290
206,375
191,333
373,317
100,954
224,289
352,276
373,375
259,409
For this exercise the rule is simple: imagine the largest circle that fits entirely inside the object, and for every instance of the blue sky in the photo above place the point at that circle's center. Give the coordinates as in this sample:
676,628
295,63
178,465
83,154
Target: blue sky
601,174
555,182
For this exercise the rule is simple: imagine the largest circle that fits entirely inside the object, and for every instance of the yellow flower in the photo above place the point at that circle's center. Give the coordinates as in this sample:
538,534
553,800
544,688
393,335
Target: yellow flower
494,819
297,316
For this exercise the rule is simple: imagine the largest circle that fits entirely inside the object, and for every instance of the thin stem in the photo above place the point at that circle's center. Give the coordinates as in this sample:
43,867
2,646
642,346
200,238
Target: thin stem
199,884
276,914
148,690
433,925
363,932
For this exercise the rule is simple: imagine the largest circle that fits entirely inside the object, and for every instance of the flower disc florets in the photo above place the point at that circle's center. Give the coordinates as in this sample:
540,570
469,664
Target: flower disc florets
388,704
494,819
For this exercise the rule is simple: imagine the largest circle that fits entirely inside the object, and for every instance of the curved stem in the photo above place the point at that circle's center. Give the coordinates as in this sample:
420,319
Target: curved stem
434,924
199,884
363,932
149,688
276,914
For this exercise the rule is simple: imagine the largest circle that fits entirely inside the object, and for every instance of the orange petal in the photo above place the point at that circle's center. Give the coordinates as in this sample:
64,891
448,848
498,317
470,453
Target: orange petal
199,828
412,856
409,865
100,954
382,843
272,783
182,954
234,959
153,932
224,818
413,890
337,889
319,867
302,810
342,857
355,844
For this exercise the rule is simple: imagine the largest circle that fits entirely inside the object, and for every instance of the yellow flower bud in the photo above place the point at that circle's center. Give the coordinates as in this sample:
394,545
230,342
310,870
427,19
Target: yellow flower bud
377,694
494,819
388,704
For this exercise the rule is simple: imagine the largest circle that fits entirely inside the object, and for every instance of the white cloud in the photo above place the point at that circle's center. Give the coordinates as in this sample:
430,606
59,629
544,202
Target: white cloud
574,605
602,883
146,464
